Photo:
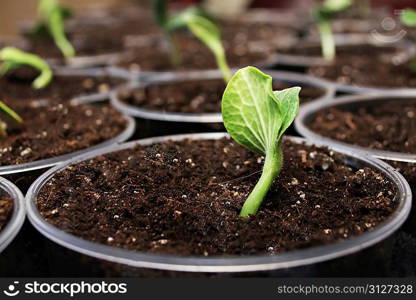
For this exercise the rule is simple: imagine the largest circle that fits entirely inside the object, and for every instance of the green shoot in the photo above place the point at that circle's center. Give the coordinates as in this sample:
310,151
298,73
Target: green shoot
323,15
54,15
10,114
13,58
408,18
256,117
199,25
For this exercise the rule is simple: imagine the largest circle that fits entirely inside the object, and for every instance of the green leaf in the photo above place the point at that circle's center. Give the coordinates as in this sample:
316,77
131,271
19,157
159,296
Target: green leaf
209,34
336,5
13,57
256,118
54,16
10,113
160,12
408,17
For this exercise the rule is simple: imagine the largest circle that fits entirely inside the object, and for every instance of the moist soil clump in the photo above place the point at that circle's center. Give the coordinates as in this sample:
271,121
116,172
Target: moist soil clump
52,130
17,85
196,96
184,197
389,125
6,209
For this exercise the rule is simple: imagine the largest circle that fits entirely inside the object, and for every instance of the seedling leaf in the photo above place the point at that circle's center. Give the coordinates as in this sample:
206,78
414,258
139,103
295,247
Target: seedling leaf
54,17
408,17
13,58
256,118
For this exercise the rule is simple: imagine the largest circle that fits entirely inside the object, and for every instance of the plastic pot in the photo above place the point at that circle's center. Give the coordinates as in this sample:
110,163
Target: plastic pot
294,263
156,123
308,111
18,216
302,62
407,235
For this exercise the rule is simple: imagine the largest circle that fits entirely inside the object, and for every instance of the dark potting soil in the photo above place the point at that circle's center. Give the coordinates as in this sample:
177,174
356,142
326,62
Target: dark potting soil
367,66
17,85
184,198
196,96
51,130
6,209
390,125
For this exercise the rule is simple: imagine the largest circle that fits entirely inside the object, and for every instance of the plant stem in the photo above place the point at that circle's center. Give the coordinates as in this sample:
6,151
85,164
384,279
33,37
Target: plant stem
327,40
175,56
272,166
58,33
222,64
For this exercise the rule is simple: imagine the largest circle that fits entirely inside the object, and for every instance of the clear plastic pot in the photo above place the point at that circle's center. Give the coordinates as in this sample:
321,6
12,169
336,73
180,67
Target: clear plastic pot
18,216
156,123
308,111
111,72
285,261
301,62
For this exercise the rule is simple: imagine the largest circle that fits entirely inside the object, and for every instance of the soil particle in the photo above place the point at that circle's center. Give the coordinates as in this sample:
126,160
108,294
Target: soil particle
184,198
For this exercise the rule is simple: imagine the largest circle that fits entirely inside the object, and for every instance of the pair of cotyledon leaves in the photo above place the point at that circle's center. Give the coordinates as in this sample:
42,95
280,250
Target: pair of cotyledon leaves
254,115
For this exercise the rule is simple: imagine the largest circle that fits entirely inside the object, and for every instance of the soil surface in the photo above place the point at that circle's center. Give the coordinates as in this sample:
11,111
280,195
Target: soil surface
50,130
196,96
6,209
388,125
367,66
184,198
17,85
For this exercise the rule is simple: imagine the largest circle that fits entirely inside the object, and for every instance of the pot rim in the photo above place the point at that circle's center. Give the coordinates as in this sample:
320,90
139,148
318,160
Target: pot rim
48,162
18,216
311,108
233,264
169,77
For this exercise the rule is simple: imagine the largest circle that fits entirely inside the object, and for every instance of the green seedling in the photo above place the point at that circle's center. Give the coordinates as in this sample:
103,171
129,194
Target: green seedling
199,24
323,15
256,117
13,58
7,113
53,16
408,18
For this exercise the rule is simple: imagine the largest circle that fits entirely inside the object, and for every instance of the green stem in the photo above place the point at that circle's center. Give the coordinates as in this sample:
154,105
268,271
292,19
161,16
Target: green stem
327,40
222,64
175,56
272,166
57,31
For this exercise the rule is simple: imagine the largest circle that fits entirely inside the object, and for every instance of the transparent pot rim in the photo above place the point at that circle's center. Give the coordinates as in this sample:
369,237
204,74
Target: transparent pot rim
131,110
18,216
231,264
48,162
308,110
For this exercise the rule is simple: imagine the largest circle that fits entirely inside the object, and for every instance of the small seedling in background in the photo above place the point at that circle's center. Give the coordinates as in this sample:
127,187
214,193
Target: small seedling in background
256,117
408,18
7,113
53,17
323,15
13,58
199,24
